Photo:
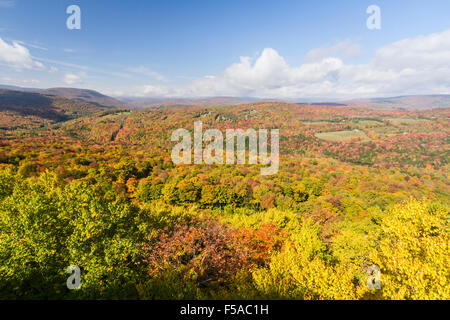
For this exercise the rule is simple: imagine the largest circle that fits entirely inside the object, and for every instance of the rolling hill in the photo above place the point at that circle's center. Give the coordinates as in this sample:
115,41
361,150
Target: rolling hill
82,95
29,110
414,102
45,106
180,102
418,102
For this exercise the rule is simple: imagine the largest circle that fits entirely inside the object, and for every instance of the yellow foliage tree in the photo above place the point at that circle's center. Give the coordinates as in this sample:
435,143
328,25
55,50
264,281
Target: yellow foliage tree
413,252
302,271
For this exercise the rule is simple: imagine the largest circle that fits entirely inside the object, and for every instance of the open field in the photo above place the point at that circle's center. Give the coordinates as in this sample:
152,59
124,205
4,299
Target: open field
406,121
342,136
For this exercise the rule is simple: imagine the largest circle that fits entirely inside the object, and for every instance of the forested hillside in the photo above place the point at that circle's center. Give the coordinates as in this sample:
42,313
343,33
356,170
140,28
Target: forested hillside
356,187
21,111
81,95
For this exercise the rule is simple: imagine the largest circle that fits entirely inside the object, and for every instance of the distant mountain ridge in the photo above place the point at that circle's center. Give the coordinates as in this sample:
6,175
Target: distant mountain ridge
82,95
205,101
55,108
86,95
415,102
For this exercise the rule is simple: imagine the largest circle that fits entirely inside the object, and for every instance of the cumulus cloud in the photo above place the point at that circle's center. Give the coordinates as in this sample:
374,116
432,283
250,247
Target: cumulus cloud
270,70
268,74
410,66
419,65
17,56
422,52
70,79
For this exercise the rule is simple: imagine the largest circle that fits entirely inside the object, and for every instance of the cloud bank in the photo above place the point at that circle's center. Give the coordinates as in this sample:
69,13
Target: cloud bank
419,65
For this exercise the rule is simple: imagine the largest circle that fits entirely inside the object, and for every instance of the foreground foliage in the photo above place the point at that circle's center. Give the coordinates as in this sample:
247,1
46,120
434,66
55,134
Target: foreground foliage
127,251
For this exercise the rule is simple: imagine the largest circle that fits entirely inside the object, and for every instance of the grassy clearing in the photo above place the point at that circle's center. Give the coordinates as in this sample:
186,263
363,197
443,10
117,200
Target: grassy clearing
318,123
405,121
340,136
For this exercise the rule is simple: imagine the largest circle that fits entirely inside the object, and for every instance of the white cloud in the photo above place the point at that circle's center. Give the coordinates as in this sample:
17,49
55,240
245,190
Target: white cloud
419,65
410,66
269,70
422,52
70,79
17,56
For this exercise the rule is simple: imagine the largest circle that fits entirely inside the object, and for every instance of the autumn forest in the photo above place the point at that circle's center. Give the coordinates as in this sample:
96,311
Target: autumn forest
95,187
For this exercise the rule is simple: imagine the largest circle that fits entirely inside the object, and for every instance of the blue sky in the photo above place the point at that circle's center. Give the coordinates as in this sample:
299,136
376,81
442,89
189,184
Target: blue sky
282,49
